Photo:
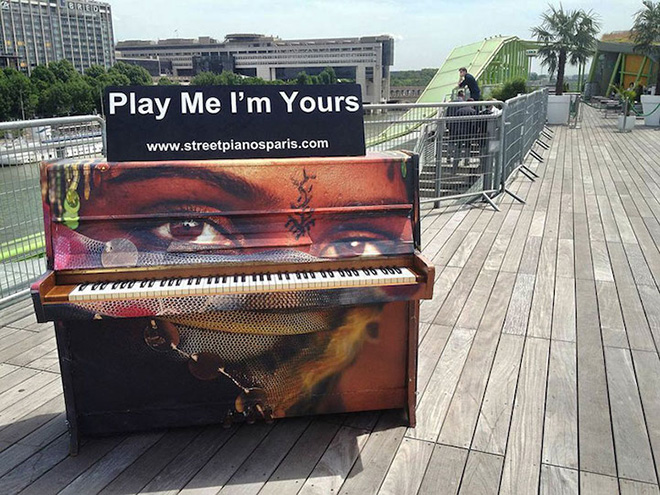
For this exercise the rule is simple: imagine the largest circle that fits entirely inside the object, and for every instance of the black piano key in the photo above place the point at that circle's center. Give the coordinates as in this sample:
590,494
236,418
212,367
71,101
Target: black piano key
95,286
115,285
131,284
261,277
216,280
280,277
312,274
373,271
103,285
341,273
268,277
365,271
384,270
83,286
143,284
236,279
224,279
198,281
331,273
123,285
288,277
398,270
391,270
178,282
170,282
323,274
254,277
151,283
298,276
305,275
355,272
163,282
190,281
243,278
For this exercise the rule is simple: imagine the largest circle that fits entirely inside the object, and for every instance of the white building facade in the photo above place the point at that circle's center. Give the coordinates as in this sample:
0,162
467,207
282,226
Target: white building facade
36,32
366,59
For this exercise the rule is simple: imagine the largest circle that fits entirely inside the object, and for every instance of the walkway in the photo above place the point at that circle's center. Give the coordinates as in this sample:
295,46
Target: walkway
538,363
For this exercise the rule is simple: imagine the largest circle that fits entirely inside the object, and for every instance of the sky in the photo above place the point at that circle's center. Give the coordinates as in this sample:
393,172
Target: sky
425,31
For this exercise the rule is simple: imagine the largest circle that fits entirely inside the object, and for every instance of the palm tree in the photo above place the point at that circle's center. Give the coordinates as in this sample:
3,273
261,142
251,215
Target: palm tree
565,36
646,34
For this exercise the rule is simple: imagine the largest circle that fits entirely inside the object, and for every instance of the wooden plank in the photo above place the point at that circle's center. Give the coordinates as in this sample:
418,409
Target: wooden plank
41,415
540,316
647,368
565,262
530,257
560,435
611,319
33,353
370,470
501,243
563,311
255,471
148,465
109,467
187,464
651,302
464,250
59,476
441,289
40,462
633,452
11,380
482,474
521,300
522,464
337,461
635,488
408,467
495,413
558,481
638,266
445,470
598,484
429,354
596,446
476,302
637,327
601,262
215,470
434,403
518,239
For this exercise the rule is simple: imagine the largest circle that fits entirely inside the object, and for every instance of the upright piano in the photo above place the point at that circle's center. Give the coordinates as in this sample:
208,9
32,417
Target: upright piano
187,293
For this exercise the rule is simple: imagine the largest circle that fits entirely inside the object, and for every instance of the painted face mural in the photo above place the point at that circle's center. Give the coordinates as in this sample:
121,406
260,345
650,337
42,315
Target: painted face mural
273,353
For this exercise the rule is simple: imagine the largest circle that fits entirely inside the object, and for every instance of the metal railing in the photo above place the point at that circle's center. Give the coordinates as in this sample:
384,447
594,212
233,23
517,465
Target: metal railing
458,144
23,146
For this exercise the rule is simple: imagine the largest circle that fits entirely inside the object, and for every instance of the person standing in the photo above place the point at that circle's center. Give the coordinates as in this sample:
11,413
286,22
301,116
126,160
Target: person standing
469,81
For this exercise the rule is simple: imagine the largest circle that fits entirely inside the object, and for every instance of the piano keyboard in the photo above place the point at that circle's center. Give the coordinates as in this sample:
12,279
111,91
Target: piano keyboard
252,283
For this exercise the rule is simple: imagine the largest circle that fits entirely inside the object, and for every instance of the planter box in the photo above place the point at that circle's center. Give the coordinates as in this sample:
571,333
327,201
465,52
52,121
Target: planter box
649,103
629,123
558,109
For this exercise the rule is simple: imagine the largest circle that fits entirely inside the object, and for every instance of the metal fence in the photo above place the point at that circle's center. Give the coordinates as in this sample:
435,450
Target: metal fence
458,144
23,146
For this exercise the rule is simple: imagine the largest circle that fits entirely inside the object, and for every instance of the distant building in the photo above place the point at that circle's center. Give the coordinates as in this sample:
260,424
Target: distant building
366,59
405,94
35,32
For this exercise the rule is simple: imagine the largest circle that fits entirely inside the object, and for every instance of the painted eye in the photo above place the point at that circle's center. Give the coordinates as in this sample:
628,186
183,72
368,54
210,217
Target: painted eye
193,231
351,247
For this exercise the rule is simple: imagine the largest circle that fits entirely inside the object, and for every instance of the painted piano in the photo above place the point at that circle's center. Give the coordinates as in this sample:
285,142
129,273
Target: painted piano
188,293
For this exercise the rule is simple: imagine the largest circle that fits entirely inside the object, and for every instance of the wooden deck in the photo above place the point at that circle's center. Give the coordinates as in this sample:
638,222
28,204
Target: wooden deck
538,364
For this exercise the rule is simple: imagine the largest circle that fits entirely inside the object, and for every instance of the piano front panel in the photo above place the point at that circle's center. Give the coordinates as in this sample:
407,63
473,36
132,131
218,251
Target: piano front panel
147,372
161,214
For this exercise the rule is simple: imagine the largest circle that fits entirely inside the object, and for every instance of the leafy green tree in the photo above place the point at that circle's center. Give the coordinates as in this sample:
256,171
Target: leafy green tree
328,76
228,79
509,89
646,34
82,97
138,76
166,81
63,70
42,77
303,78
55,101
204,79
23,98
565,36
5,98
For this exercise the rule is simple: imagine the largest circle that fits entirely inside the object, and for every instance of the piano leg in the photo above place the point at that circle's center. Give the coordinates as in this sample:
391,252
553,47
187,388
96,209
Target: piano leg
62,336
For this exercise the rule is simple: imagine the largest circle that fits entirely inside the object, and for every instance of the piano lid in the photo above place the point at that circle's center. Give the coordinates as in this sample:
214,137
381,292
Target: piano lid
113,215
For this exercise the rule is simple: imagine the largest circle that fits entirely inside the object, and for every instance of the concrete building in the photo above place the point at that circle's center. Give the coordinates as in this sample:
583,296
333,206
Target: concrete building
366,59
35,32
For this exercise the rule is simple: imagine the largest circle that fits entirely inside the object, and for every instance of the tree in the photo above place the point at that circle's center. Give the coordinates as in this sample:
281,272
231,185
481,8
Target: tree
646,34
565,36
328,76
166,81
42,77
23,98
204,79
55,101
138,76
63,70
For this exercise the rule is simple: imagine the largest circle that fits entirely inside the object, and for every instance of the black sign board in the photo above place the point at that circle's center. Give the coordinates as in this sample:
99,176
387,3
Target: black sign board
146,123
